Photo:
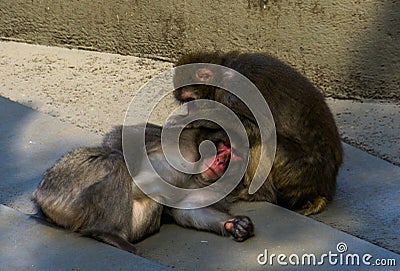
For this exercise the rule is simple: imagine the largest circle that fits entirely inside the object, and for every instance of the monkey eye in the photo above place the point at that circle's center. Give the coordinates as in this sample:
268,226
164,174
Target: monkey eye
204,74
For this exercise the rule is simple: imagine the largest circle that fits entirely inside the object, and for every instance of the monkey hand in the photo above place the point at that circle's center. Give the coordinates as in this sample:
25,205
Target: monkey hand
240,228
182,121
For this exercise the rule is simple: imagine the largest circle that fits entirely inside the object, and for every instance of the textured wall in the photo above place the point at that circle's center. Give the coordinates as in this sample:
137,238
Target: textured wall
348,48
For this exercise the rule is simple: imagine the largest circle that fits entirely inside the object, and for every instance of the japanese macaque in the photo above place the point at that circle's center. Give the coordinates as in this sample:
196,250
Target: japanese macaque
91,191
309,152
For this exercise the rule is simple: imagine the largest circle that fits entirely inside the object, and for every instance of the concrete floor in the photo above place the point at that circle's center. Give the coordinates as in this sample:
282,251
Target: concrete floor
27,244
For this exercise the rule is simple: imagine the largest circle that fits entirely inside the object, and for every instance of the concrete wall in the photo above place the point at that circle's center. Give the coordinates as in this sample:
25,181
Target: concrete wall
348,48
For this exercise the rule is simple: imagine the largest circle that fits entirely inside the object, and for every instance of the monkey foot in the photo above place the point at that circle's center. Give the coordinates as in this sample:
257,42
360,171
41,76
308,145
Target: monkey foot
313,207
240,228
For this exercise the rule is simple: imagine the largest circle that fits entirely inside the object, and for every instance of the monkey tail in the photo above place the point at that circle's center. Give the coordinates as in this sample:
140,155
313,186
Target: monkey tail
111,239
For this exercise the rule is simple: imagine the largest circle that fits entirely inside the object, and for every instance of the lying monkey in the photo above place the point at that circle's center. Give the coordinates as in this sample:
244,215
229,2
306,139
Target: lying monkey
90,190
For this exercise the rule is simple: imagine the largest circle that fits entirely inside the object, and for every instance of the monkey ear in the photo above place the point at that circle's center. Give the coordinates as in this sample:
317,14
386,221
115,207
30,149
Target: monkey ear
204,74
229,74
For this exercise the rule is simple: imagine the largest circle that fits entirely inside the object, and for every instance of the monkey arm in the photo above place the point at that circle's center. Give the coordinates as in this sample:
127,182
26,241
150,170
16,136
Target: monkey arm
208,218
214,220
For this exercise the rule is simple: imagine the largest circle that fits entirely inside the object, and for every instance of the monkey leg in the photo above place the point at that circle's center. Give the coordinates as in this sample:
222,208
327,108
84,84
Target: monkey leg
304,177
146,218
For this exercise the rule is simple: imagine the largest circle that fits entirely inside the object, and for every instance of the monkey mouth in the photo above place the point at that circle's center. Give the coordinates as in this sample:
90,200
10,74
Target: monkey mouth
212,172
188,100
218,168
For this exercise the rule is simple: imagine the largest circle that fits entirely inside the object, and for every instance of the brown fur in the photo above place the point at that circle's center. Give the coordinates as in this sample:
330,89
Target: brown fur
309,151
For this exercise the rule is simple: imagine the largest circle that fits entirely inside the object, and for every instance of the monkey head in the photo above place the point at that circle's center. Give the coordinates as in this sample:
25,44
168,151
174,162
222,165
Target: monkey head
205,78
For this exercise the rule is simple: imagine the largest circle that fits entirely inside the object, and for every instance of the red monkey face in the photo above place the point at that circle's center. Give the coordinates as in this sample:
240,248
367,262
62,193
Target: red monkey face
215,166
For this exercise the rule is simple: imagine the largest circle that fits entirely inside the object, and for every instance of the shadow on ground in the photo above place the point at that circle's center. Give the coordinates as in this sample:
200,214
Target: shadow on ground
30,142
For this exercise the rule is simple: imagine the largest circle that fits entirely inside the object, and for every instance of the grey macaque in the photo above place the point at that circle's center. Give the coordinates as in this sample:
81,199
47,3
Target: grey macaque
91,191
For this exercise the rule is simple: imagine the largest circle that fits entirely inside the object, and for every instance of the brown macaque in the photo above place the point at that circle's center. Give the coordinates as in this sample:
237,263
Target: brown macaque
309,152
91,191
